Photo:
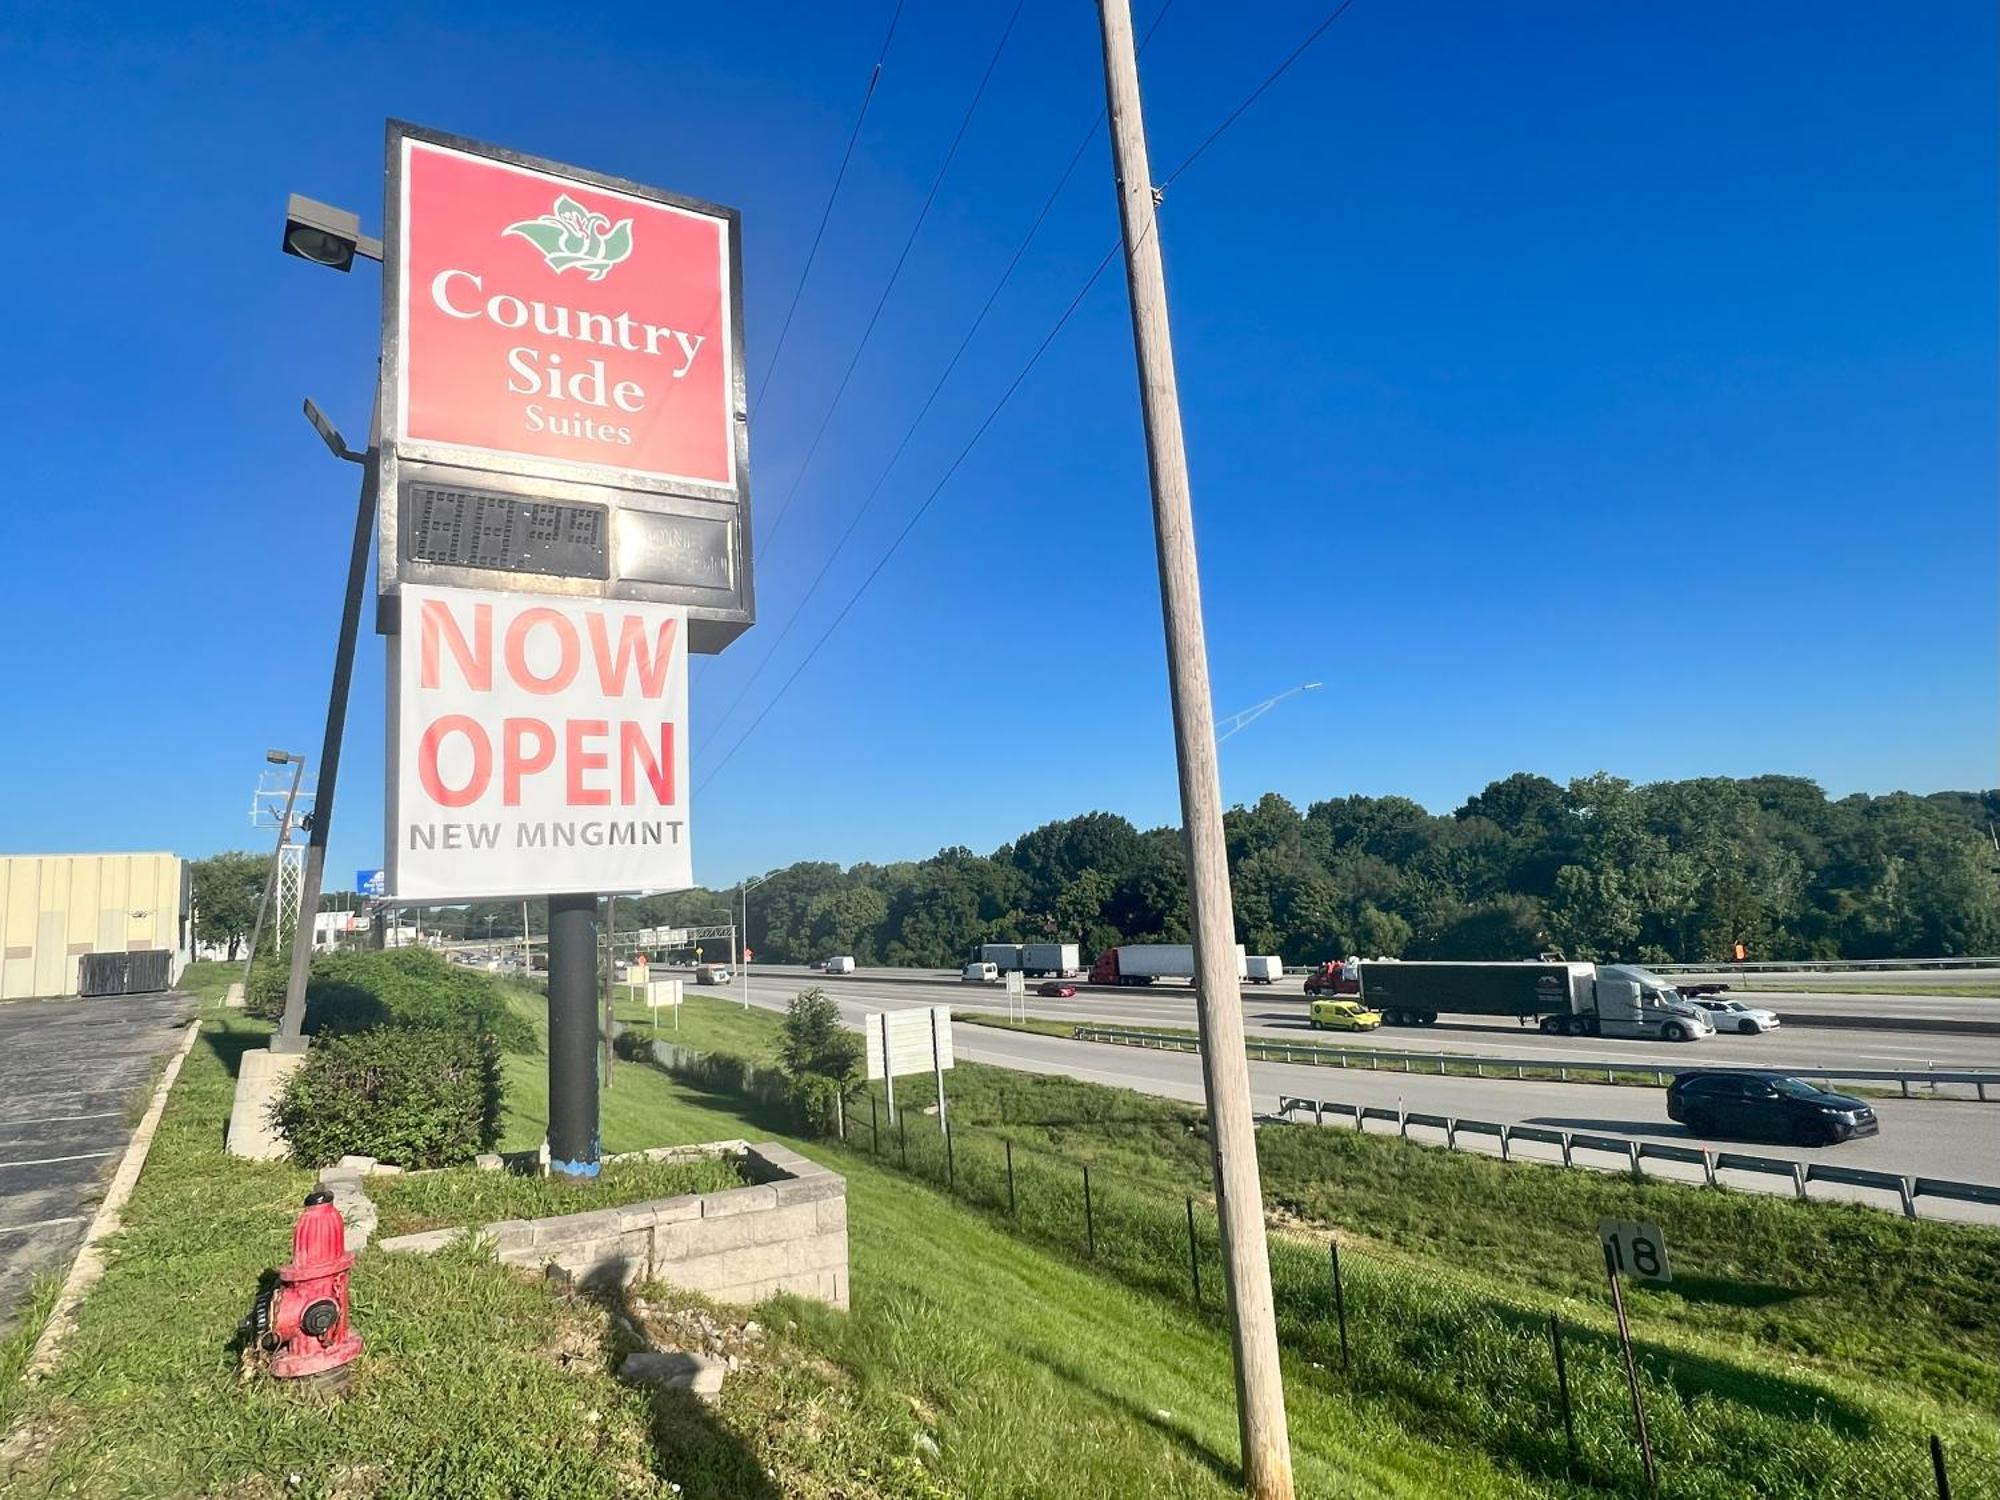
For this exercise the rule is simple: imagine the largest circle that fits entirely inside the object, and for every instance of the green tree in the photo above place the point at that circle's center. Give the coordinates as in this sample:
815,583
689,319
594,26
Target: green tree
820,1057
226,890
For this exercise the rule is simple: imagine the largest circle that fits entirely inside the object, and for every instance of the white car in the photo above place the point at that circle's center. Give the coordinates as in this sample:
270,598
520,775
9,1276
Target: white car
1734,1015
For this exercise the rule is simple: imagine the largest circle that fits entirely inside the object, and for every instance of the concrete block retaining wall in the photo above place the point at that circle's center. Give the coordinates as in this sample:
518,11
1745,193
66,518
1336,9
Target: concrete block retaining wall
784,1232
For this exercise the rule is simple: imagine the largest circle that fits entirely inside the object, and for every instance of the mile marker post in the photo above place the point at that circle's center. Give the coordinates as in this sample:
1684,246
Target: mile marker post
1239,1201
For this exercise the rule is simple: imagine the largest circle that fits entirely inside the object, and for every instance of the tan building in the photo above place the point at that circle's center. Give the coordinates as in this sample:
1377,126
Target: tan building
57,910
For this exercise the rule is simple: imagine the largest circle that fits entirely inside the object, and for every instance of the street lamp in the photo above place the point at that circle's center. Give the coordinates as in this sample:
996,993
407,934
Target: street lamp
329,237
325,235
743,886
298,765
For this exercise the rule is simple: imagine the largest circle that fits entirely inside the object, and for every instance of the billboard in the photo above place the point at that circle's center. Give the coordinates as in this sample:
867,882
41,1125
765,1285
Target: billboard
537,746
562,400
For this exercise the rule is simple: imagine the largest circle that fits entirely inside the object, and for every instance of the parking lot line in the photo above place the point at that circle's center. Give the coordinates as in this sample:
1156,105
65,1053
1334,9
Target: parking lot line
49,1161
41,1224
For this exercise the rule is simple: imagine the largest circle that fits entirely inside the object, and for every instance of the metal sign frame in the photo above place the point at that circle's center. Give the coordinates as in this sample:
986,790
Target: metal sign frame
699,532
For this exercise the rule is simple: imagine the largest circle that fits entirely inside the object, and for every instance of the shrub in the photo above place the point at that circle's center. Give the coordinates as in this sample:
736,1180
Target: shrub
819,1056
264,994
410,987
813,1096
632,1046
414,1096
814,1040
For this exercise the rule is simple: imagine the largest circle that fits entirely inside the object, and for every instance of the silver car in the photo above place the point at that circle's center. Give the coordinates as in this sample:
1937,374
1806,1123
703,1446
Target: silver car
1734,1015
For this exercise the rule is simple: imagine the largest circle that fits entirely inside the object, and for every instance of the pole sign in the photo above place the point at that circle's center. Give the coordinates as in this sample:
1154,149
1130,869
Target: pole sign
370,883
562,406
1635,1249
538,745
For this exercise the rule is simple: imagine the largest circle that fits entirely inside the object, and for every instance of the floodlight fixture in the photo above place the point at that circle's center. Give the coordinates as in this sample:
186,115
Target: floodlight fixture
325,235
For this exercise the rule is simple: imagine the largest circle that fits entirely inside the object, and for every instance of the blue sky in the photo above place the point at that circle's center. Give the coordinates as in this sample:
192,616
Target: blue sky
1566,386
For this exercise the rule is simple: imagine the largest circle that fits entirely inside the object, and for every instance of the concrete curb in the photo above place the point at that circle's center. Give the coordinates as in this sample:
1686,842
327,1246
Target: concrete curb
88,1266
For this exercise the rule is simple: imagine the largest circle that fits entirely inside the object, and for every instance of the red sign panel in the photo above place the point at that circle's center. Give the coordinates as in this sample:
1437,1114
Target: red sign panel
549,318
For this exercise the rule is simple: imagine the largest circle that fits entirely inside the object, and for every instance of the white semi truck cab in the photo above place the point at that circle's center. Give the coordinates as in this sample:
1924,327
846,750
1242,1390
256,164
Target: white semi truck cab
1635,1002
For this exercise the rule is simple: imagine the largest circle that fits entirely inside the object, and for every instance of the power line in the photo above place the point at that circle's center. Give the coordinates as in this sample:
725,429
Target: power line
910,525
826,213
930,400
1212,137
1255,94
778,517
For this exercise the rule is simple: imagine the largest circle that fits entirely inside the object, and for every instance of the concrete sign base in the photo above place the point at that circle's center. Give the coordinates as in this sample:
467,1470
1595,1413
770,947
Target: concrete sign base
260,1078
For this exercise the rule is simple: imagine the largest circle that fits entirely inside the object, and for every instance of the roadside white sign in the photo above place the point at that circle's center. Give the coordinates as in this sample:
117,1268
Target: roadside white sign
1635,1249
538,744
905,1037
1017,991
661,992
910,1041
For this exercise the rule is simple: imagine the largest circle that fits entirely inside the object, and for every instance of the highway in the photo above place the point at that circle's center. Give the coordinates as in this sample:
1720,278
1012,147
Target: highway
1280,1012
1932,1138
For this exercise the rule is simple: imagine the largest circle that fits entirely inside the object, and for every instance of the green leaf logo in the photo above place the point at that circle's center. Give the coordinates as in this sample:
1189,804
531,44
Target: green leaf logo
572,237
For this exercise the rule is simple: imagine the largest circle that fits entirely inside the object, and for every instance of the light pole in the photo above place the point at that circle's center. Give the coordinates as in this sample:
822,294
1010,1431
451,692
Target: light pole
1240,721
743,886
298,765
329,237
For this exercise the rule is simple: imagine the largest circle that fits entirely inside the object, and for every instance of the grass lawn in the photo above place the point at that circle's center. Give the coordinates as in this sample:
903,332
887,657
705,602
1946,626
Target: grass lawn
974,1364
1844,1285
464,1196
1812,1345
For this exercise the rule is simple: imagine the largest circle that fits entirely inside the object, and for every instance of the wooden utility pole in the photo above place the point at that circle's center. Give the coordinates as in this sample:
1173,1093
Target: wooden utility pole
1239,1199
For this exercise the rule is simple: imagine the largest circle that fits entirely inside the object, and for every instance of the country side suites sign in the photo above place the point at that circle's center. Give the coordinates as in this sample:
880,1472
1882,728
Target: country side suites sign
539,746
562,400
564,486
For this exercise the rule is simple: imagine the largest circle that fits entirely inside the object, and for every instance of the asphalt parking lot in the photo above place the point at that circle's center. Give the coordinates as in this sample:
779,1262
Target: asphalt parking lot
72,1073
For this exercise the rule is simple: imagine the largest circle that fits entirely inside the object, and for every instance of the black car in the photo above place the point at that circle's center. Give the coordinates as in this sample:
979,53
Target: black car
1766,1106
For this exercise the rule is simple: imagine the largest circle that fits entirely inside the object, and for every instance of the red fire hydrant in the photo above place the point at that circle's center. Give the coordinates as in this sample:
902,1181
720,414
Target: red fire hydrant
304,1317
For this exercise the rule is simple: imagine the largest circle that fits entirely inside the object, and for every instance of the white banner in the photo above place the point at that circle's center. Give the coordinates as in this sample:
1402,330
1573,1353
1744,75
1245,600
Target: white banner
538,745
909,1040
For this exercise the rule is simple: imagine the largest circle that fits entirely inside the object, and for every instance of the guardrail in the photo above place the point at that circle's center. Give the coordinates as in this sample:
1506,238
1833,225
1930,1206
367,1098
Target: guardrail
1824,965
1319,1054
1907,1189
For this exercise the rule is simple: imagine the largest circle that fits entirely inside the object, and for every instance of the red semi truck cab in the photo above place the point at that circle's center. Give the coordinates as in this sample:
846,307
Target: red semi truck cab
1335,977
1105,969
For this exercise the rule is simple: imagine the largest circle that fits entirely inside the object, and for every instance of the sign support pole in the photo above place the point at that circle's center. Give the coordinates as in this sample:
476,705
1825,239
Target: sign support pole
937,1067
573,1136
1246,1267
290,1035
610,982
888,1069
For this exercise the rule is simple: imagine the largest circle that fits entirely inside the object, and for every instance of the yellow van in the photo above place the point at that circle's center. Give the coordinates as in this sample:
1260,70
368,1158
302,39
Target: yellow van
1343,1015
